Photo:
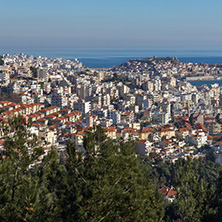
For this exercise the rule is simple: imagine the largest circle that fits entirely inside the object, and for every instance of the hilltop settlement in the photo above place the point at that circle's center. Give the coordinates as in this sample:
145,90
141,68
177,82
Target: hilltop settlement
151,101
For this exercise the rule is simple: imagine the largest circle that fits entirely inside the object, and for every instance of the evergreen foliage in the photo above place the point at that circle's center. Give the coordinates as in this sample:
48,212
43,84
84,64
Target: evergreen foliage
108,182
18,186
121,190
34,71
12,97
1,61
196,197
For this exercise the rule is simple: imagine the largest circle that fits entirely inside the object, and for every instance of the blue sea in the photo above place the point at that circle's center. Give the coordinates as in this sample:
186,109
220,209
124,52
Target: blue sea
106,58
206,82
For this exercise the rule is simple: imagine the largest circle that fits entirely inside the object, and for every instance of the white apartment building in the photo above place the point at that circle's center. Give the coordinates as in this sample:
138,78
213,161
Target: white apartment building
161,117
198,140
59,99
83,106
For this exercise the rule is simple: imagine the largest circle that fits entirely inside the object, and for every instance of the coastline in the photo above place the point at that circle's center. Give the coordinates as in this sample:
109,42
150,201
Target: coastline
106,58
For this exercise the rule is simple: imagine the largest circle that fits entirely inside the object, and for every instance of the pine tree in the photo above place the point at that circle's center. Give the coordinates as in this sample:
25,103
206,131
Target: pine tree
116,188
195,200
219,197
105,183
17,185
70,192
49,173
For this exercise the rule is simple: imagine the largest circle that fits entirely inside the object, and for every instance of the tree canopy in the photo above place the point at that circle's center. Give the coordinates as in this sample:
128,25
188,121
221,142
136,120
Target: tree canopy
106,182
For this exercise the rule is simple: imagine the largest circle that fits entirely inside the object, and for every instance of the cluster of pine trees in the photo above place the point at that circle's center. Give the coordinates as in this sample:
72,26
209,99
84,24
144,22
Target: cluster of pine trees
108,182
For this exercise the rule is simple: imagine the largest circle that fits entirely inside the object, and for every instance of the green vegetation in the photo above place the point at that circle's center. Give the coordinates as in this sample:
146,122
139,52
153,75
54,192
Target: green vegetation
18,186
1,61
12,97
108,182
115,78
196,182
34,71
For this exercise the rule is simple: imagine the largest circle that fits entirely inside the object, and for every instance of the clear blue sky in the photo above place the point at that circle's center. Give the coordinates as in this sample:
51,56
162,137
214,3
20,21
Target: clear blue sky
111,24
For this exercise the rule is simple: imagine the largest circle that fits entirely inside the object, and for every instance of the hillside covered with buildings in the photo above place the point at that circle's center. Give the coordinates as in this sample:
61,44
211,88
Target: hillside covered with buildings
146,105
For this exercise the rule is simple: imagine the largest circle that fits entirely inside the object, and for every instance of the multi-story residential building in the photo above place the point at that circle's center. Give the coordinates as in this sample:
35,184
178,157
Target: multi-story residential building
42,74
199,139
161,117
59,99
144,147
213,128
166,133
101,113
83,106
115,116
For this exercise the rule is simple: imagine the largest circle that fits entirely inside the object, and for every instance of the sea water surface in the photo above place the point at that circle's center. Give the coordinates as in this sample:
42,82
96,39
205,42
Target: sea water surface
106,58
206,82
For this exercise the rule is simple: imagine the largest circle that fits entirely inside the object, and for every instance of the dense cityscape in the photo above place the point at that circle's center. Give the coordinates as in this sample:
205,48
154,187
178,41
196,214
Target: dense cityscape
111,111
147,100
149,104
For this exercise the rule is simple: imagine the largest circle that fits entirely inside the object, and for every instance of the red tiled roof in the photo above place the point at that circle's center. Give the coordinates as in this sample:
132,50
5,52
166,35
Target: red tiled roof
80,133
58,119
167,142
36,124
183,129
129,130
165,130
185,118
141,141
188,126
209,118
52,127
68,123
110,129
210,123
41,119
166,191
147,130
209,137
46,148
201,126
